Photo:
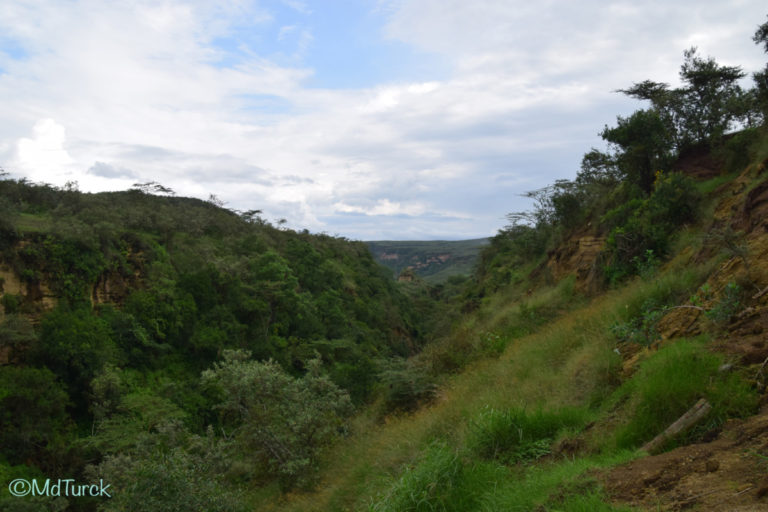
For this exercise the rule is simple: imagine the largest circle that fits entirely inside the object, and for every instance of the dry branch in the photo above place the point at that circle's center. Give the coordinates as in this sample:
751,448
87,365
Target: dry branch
694,414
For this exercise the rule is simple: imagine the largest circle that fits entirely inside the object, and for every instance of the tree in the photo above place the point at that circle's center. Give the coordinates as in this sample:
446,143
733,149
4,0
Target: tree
710,95
283,422
75,345
761,36
153,187
33,416
169,470
701,111
644,147
761,77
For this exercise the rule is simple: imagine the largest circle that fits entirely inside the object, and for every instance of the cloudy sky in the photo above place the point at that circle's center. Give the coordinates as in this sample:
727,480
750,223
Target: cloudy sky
370,119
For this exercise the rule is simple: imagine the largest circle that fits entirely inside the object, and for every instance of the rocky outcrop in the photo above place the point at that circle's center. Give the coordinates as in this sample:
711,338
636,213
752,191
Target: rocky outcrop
577,256
36,297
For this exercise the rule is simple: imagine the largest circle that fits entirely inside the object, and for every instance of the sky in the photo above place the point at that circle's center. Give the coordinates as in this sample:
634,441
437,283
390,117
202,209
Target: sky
368,119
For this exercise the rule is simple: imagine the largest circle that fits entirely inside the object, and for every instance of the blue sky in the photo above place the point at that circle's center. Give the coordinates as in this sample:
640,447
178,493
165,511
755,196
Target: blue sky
370,119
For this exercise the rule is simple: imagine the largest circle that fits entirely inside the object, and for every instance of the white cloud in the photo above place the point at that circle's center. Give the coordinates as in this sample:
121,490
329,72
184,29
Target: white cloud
128,91
43,155
382,207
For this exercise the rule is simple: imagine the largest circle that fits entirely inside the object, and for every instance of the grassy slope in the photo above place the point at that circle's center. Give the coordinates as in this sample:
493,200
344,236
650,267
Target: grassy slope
568,360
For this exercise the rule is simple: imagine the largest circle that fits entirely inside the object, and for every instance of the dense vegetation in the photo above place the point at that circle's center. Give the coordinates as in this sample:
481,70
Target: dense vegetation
146,292
198,358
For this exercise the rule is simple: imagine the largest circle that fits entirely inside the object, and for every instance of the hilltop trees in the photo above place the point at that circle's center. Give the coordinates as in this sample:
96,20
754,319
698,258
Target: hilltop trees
147,291
643,146
761,77
630,191
707,106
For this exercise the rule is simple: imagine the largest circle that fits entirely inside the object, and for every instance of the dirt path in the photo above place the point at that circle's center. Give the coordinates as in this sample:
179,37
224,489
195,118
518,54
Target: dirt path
728,474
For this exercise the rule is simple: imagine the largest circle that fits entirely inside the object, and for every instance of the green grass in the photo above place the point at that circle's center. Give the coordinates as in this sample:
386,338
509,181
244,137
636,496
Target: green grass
501,320
562,486
33,223
670,382
518,434
707,187
568,362
442,480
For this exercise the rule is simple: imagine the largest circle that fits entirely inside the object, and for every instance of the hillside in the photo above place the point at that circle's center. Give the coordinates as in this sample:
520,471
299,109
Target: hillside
607,353
434,261
560,386
112,304
594,324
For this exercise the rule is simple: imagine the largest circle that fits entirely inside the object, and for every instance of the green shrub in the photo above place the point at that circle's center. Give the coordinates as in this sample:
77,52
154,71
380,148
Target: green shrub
281,421
439,481
75,344
670,382
406,384
16,336
735,152
640,329
643,228
11,303
169,470
517,435
727,306
34,423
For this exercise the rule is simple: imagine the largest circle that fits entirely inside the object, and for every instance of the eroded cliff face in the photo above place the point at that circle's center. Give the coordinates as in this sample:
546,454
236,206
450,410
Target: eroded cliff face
578,256
34,298
113,287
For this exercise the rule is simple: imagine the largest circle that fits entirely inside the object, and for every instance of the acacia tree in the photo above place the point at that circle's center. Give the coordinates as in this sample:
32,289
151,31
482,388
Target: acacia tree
712,97
707,106
761,77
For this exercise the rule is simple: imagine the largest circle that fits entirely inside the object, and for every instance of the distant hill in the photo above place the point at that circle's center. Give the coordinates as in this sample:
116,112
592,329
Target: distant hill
435,261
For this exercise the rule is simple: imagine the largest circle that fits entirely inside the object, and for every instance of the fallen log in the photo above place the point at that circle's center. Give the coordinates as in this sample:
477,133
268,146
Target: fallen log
694,414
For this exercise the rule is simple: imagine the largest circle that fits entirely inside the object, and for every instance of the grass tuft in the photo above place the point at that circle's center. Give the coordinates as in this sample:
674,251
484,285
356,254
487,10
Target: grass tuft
515,434
670,382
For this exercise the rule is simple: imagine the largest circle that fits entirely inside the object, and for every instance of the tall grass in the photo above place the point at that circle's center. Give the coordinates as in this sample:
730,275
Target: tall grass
439,481
443,481
518,434
503,318
558,487
670,382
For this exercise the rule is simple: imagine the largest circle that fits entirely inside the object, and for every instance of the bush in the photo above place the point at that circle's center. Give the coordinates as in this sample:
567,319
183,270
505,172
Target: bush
75,344
439,481
283,422
641,329
728,305
168,470
517,435
644,227
34,424
407,385
735,151
670,382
